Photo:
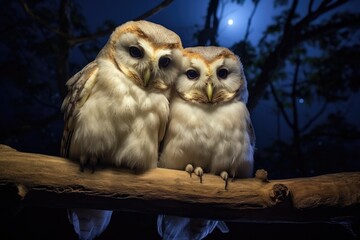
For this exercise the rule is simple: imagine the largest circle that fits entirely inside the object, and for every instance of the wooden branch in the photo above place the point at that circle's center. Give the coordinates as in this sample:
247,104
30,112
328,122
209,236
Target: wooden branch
154,10
57,182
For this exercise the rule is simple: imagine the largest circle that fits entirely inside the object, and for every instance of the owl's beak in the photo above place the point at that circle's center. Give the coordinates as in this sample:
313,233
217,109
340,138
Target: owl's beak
146,76
209,91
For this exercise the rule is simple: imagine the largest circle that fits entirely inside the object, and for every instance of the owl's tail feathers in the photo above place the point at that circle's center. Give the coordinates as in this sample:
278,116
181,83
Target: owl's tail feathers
222,227
174,227
89,223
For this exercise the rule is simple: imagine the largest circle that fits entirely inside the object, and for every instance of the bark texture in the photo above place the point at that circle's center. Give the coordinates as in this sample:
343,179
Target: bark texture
53,181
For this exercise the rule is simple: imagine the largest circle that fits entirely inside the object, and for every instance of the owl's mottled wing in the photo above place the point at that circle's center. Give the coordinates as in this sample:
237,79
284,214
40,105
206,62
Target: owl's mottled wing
251,132
79,87
162,130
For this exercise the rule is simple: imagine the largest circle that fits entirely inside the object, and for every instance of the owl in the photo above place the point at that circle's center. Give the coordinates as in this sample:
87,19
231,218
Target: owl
117,107
209,127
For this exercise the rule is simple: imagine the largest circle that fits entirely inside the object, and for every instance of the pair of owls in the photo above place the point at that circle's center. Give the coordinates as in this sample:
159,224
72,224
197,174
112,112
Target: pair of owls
146,102
145,96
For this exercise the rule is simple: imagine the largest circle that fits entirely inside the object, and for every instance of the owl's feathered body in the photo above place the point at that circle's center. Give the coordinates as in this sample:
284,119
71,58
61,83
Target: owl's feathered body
209,128
117,107
120,123
212,137
209,124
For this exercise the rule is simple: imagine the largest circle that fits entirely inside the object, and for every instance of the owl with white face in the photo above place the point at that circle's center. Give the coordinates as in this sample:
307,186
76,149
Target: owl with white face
117,107
209,127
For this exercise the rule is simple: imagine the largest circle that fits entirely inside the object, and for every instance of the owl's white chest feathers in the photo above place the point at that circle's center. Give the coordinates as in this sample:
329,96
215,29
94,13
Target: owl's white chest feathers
120,122
212,137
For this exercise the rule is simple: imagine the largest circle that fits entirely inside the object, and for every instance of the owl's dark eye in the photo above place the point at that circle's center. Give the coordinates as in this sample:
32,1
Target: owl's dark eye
164,62
136,52
222,73
192,74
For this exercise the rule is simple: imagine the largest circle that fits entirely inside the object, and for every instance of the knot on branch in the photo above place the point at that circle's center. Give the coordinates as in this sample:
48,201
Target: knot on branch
279,193
262,175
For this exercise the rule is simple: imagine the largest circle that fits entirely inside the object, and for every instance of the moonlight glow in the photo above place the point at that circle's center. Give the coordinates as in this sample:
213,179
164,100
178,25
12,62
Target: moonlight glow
230,22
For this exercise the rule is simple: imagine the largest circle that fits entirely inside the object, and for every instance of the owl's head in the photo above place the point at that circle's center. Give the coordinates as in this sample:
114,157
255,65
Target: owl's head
147,53
211,75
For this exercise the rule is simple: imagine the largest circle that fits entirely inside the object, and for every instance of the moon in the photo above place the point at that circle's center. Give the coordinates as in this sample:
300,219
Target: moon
230,22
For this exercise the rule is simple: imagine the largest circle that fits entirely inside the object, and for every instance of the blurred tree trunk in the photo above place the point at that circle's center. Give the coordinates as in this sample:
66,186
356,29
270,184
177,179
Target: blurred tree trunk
298,156
62,58
210,30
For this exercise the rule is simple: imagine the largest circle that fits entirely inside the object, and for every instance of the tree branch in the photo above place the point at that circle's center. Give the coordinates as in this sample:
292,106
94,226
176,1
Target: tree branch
322,29
208,33
295,127
280,106
63,49
154,10
51,181
313,119
247,32
290,17
76,40
270,66
310,6
323,8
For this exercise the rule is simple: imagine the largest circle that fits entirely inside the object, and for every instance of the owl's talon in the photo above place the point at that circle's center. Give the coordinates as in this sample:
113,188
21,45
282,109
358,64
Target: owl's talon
189,168
93,163
82,167
225,176
83,161
199,172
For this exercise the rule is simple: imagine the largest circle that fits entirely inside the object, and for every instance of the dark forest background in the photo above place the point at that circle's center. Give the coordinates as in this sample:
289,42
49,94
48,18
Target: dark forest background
304,68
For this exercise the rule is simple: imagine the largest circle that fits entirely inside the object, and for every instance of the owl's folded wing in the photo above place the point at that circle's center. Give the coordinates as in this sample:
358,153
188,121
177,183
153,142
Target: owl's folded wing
79,87
251,132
